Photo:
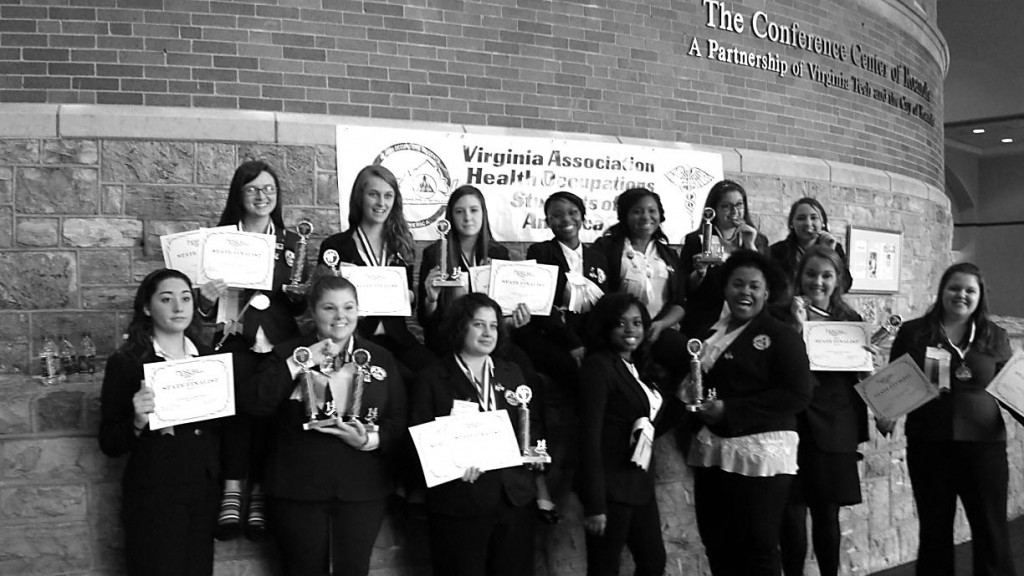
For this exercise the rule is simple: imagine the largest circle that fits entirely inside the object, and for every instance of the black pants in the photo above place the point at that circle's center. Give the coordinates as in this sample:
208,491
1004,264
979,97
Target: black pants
498,544
824,532
738,518
635,527
168,530
977,473
243,437
313,535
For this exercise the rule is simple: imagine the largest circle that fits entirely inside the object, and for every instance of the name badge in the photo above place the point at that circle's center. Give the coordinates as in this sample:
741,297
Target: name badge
936,366
460,407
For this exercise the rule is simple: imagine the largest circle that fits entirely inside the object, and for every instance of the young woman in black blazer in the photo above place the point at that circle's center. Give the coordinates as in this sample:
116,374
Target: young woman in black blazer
734,230
378,235
253,205
956,443
808,227
616,477
830,429
482,523
745,454
169,489
328,486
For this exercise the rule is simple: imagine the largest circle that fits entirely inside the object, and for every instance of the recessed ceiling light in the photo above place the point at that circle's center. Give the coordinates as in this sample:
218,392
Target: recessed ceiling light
1006,140
978,130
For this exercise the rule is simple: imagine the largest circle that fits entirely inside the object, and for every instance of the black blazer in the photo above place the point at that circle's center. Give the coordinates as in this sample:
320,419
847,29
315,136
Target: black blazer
565,329
786,253
309,465
612,248
967,411
345,245
763,378
278,320
188,458
611,400
704,301
437,388
430,260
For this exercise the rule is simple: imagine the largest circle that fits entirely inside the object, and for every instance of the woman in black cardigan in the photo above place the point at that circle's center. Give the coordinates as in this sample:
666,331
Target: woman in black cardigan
808,227
745,455
616,480
328,486
956,443
169,487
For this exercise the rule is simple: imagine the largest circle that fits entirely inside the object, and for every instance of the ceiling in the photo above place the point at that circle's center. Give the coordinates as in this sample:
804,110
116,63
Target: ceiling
984,88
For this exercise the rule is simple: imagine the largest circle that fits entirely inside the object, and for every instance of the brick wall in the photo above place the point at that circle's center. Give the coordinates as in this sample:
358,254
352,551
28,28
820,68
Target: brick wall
85,192
621,68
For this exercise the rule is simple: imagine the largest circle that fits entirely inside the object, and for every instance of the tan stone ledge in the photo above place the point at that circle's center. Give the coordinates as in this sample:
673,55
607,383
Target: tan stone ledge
939,197
166,123
321,130
909,186
849,174
784,165
28,120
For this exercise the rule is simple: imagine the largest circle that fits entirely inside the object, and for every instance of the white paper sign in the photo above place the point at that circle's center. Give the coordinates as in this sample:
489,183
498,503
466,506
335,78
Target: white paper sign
897,389
449,445
241,259
382,290
838,346
181,252
517,173
1008,385
191,390
532,284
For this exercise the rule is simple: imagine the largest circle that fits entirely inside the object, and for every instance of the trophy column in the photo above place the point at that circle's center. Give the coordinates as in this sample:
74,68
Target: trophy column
296,287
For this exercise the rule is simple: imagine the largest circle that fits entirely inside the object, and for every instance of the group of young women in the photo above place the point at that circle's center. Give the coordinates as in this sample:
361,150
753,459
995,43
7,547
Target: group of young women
608,371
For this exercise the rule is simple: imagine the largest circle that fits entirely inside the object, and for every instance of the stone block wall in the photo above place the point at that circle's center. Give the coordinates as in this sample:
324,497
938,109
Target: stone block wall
85,193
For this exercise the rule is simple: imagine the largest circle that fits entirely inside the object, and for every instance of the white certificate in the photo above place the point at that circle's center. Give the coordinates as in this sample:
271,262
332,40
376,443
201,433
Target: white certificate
382,290
838,346
480,278
191,390
449,445
181,252
523,282
241,259
1008,385
897,389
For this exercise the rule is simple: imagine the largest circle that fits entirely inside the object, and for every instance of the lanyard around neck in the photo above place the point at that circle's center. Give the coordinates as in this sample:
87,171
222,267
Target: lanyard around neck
484,389
366,252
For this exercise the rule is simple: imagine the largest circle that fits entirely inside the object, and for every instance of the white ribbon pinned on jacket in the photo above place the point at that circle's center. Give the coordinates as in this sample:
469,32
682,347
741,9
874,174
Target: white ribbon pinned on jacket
583,293
643,433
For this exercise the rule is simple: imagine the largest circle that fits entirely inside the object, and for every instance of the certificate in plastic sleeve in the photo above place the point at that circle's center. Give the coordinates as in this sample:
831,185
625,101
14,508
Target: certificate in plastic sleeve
532,284
1008,387
449,445
897,389
838,346
241,259
181,252
191,390
382,290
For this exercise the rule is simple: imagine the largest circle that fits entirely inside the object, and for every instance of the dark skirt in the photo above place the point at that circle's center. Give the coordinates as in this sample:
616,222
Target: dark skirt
826,477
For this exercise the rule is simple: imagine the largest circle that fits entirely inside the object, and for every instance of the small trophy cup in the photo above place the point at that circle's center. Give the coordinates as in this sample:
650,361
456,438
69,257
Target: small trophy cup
318,414
699,396
296,287
888,328
361,359
712,252
450,277
537,454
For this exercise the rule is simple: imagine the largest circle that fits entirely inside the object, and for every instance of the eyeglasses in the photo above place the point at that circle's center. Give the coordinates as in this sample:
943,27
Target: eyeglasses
737,207
253,191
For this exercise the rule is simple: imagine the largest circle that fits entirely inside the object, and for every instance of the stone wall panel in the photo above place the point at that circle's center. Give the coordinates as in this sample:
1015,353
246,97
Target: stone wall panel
6,226
16,407
133,161
47,502
60,410
105,266
96,232
58,190
106,328
34,280
6,184
60,548
70,152
54,459
111,199
173,202
16,151
37,232
215,164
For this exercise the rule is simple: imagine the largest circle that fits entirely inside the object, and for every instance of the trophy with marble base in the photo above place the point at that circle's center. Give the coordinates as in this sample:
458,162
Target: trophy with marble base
450,277
295,286
532,454
698,396
361,359
320,412
887,329
712,252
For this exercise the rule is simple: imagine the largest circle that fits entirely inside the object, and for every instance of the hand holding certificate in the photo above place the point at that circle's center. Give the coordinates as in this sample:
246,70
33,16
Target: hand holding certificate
838,346
382,290
450,445
191,390
897,389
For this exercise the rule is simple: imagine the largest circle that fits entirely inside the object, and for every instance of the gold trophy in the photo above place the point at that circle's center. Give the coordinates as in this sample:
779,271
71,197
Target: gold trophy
698,395
888,328
320,412
296,287
712,252
538,453
450,277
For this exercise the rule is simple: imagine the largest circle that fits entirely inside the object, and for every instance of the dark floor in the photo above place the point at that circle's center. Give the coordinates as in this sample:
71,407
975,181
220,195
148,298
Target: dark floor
963,555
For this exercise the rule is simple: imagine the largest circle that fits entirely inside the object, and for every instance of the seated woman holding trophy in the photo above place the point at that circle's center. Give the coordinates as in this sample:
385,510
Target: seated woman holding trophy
727,227
749,378
339,410
481,523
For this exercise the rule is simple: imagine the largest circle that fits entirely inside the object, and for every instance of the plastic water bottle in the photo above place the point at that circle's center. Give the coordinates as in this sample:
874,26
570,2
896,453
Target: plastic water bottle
49,362
68,356
87,359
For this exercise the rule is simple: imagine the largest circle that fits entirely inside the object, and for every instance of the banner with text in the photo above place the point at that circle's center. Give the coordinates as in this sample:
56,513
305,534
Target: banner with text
517,173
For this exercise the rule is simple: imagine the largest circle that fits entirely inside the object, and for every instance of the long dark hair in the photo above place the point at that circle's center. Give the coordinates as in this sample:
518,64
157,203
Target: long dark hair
483,240
605,317
982,324
456,319
722,188
397,236
839,309
234,210
140,330
813,203
625,202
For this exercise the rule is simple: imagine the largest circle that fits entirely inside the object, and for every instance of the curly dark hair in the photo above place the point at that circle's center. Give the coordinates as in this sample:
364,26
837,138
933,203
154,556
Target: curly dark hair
753,259
140,329
246,172
455,322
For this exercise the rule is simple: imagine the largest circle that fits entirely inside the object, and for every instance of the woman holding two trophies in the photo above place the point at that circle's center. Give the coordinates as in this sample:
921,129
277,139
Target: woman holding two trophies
339,409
